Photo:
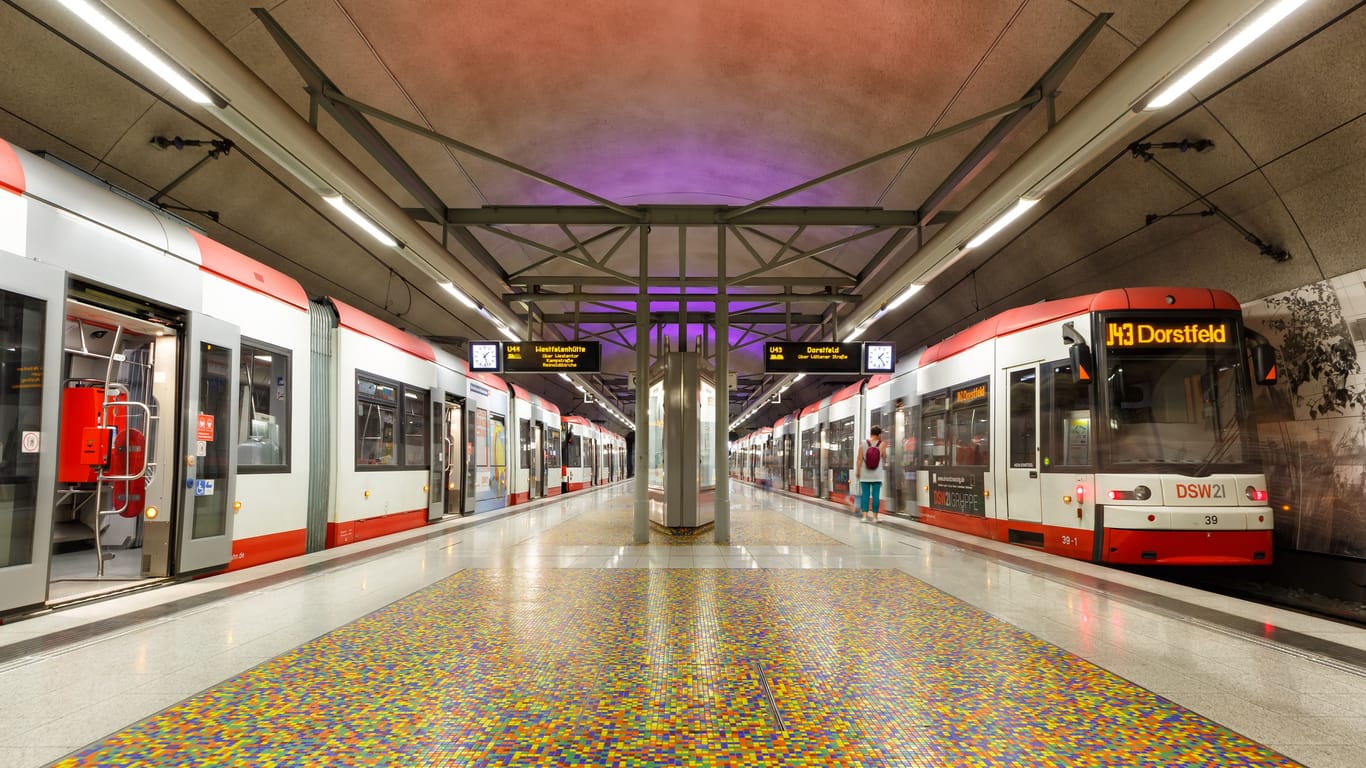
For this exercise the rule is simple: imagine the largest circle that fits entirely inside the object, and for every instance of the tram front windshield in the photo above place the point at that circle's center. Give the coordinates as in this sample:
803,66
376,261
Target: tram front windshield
1185,406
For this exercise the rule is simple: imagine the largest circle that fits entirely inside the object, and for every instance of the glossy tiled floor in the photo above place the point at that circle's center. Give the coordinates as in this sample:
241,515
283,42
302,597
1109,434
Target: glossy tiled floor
495,644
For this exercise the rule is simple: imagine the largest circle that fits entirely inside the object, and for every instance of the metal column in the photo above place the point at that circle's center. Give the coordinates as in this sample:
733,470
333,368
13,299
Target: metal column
722,498
641,522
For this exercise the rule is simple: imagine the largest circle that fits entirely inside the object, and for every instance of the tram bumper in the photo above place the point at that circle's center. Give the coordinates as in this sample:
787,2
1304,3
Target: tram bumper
1168,547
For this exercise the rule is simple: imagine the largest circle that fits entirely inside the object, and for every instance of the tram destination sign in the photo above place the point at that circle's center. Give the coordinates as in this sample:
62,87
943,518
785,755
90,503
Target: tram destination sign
812,357
552,357
1175,333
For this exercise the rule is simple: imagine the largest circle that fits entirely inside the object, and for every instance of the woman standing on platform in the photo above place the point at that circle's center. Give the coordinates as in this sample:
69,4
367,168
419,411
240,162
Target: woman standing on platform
870,473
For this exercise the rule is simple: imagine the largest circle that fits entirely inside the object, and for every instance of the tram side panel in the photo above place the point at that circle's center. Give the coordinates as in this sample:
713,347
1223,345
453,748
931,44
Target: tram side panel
271,440
382,438
548,416
844,428
576,457
494,445
956,444
521,423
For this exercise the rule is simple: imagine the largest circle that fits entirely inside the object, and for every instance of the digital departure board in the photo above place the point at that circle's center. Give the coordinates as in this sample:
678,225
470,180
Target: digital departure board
552,357
1133,333
812,357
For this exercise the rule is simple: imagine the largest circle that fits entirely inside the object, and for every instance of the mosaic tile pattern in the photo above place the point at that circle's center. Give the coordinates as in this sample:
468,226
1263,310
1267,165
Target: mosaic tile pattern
752,523
677,668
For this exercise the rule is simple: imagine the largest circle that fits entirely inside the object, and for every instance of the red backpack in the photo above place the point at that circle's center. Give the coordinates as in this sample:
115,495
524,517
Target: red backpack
872,456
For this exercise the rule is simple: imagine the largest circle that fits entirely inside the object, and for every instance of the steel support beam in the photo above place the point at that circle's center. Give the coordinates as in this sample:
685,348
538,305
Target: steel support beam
640,523
721,499
746,277
777,298
329,94
624,318
1045,87
593,265
930,138
352,121
672,216
532,281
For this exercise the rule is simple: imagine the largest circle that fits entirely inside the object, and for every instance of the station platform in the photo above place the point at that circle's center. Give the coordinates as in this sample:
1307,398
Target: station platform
543,637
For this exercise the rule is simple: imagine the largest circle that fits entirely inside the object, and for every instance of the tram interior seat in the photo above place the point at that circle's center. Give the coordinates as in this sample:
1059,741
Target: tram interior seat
262,445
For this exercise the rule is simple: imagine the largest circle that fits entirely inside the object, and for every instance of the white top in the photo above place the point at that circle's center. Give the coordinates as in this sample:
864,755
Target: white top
866,475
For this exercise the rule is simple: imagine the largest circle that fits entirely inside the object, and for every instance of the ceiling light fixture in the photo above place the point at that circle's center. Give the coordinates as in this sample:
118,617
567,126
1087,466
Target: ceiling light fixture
116,34
1277,11
798,378
460,295
1004,220
344,207
564,376
905,296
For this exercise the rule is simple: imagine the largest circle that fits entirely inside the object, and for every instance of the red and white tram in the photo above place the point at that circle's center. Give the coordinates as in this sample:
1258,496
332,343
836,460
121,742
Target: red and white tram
1114,427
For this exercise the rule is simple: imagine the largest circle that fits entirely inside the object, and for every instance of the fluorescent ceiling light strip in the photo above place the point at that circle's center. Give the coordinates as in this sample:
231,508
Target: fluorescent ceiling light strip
507,333
905,296
120,37
459,294
857,332
359,219
1002,221
1244,37
563,376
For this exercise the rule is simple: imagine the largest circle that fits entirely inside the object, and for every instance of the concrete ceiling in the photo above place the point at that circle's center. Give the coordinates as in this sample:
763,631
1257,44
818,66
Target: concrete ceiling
722,102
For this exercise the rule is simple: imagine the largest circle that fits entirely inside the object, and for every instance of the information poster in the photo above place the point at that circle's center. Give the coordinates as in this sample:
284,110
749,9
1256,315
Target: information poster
957,491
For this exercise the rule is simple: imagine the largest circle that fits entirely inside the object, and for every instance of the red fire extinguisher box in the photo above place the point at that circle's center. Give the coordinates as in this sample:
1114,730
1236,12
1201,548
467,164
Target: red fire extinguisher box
84,440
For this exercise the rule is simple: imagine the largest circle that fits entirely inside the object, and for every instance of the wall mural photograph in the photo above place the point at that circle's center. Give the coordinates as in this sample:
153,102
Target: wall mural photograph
1312,423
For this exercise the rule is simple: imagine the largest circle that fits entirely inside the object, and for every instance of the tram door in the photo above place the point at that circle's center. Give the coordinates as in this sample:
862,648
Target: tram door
448,472
823,447
30,353
536,477
1022,474
208,462
467,436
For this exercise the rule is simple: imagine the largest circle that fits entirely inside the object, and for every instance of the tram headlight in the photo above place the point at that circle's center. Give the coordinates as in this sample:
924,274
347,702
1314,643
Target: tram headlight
1139,493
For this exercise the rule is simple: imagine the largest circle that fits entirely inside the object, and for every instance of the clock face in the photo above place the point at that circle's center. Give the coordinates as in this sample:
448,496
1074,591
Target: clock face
484,356
879,358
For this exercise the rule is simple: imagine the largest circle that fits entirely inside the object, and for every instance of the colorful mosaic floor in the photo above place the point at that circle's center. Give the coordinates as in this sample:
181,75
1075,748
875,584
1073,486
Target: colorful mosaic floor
753,523
638,667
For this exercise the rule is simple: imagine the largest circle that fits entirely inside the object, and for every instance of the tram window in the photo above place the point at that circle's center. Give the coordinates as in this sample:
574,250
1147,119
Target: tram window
376,422
552,447
414,427
573,449
971,436
1022,438
524,434
842,437
385,435
263,410
934,430
1066,419
21,407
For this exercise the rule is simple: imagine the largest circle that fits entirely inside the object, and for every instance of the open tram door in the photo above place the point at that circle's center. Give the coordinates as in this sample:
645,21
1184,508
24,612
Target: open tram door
536,478
119,376
207,458
447,482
